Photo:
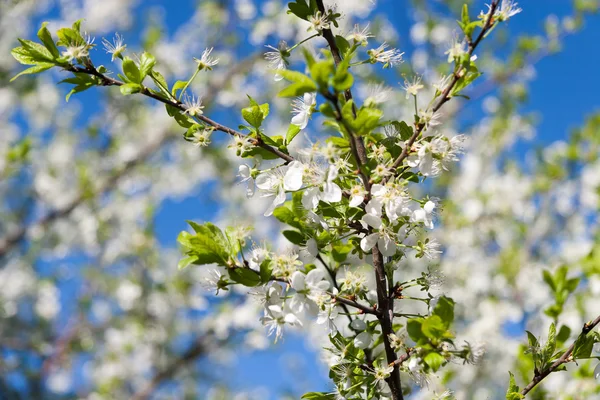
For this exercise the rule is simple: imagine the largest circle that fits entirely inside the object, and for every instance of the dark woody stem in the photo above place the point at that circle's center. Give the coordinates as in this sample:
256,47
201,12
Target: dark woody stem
385,306
108,81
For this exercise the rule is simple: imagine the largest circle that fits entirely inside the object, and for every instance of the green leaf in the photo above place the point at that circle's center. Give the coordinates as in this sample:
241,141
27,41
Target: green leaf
292,131
563,334
184,262
549,280
130,88
533,342
413,327
343,80
294,236
285,215
255,114
245,276
367,120
583,346
69,37
300,9
37,51
445,310
342,44
318,396
466,80
266,271
297,89
147,62
433,327
434,360
513,390
46,38
403,129
294,76
339,251
209,244
160,82
131,71
551,343
40,67
321,72
178,86
22,55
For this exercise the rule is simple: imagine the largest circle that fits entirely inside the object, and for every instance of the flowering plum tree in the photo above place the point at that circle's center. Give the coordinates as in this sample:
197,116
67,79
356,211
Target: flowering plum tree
357,205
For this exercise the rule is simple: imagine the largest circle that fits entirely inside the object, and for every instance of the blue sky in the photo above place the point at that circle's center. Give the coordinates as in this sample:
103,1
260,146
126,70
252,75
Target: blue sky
563,94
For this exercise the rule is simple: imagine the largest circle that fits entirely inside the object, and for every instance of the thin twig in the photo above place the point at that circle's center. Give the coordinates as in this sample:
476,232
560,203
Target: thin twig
108,81
445,96
15,236
565,358
352,303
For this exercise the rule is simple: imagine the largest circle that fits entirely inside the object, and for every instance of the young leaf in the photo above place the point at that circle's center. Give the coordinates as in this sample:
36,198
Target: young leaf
130,88
292,131
131,71
513,390
40,67
46,38
147,62
245,276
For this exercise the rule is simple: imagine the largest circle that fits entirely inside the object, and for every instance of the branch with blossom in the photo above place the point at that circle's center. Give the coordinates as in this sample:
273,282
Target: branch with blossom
350,202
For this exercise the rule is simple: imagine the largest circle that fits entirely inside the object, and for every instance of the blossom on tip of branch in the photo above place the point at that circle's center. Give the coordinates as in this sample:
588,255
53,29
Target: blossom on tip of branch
360,36
257,256
116,47
377,94
303,107
425,214
507,9
388,58
458,48
357,195
201,138
245,172
277,58
319,22
382,372
193,105
206,61
241,144
327,190
78,50
277,181
413,87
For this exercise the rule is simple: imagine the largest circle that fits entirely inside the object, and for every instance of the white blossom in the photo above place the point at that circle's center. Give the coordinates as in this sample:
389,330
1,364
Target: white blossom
388,58
302,109
412,87
206,61
360,35
363,340
116,47
277,58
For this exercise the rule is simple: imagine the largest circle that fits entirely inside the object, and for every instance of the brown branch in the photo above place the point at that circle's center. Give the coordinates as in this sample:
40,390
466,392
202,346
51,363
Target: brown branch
15,236
356,142
445,96
386,308
564,359
108,81
352,303
403,357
